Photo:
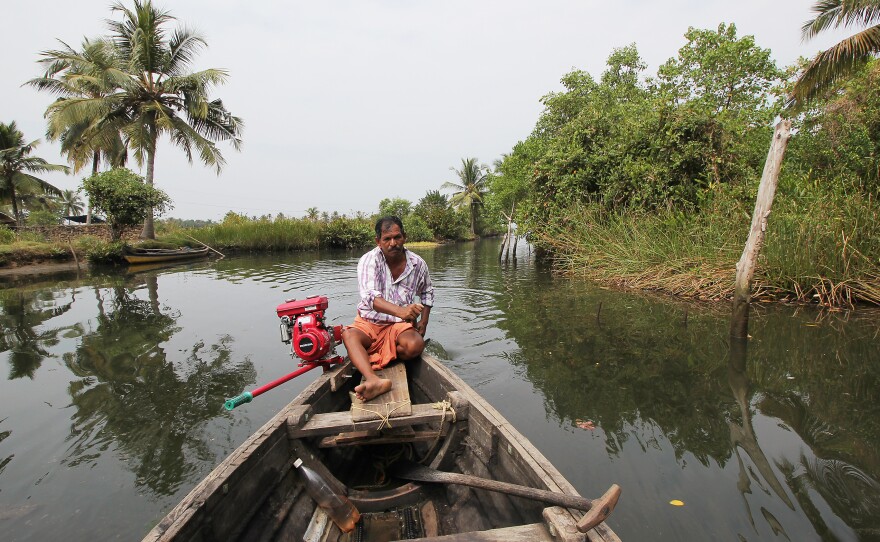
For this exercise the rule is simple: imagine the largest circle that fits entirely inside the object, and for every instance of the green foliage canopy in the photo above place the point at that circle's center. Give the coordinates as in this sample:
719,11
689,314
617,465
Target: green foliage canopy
124,198
633,141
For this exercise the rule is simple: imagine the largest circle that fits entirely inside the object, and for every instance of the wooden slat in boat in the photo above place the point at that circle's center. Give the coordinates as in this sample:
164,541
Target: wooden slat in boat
255,494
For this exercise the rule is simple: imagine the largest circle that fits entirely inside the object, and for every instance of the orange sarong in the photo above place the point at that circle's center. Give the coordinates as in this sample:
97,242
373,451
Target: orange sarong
384,338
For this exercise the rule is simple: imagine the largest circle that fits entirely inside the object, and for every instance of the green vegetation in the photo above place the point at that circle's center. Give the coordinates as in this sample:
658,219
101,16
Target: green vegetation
17,166
470,188
124,198
650,181
135,87
637,179
843,59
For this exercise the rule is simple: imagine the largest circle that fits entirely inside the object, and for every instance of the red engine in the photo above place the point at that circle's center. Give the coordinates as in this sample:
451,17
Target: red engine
302,324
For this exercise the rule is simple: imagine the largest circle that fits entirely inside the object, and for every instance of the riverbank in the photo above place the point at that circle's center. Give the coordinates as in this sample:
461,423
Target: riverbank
815,252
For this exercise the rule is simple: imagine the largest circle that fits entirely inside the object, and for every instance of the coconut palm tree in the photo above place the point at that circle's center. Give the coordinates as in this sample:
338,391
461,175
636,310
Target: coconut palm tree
842,59
151,101
70,203
470,189
158,96
91,73
16,166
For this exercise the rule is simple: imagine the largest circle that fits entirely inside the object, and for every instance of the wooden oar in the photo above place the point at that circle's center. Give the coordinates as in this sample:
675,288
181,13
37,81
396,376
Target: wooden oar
597,509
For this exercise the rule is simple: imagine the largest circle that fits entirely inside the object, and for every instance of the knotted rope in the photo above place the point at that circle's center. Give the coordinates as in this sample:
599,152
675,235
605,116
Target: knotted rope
445,406
389,408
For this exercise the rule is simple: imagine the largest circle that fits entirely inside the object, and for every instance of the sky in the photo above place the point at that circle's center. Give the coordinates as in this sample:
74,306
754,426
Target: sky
349,102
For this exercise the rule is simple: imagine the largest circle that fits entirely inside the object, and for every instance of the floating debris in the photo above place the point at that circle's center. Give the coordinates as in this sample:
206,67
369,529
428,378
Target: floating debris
585,424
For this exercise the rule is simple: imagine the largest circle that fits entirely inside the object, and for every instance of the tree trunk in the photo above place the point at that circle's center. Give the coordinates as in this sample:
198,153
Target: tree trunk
148,231
508,235
473,219
745,268
96,158
18,221
504,241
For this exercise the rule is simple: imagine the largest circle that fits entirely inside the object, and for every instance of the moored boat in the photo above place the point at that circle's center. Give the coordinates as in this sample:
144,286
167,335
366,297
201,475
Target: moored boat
154,255
257,493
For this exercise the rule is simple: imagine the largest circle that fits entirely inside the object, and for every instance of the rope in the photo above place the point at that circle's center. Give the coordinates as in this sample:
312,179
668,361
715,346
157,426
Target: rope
444,406
384,417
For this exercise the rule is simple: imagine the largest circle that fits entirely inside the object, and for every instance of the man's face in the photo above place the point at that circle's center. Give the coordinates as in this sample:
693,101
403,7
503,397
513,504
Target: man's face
391,242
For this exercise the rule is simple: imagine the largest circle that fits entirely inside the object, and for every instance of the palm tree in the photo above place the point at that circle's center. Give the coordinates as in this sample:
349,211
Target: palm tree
16,166
842,59
160,89
470,189
91,73
157,92
70,203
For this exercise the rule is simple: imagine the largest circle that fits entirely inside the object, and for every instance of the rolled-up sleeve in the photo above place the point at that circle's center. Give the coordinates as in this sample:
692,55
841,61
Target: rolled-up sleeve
426,287
368,281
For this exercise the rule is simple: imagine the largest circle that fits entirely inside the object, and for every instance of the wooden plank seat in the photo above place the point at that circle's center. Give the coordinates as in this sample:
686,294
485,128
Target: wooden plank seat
393,404
301,423
386,419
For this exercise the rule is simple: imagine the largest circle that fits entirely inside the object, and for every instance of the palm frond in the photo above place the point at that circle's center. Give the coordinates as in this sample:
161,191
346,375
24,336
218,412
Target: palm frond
834,64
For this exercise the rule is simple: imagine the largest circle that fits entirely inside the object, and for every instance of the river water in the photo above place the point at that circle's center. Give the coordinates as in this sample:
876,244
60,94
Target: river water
113,384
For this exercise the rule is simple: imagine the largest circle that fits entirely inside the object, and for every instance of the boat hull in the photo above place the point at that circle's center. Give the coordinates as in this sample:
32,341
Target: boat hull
141,257
256,494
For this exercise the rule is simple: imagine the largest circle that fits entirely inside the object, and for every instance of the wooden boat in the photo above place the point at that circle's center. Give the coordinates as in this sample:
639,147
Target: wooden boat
257,494
153,255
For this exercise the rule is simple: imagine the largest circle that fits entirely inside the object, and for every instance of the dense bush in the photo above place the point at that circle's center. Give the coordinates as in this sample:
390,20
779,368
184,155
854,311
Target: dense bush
6,235
42,217
344,232
416,229
122,196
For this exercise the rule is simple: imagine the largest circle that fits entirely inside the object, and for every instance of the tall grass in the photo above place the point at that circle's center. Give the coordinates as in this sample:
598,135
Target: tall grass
282,234
816,250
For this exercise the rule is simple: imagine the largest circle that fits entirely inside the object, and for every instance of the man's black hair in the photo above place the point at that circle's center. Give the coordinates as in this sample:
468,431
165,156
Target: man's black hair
385,223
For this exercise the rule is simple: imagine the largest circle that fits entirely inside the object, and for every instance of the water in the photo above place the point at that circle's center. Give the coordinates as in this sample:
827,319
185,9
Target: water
114,386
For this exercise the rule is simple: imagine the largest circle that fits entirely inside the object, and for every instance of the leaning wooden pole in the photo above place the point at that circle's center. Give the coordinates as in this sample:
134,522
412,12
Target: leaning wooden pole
745,268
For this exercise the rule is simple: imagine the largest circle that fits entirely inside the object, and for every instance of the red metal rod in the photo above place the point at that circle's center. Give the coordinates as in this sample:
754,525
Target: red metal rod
304,369
248,396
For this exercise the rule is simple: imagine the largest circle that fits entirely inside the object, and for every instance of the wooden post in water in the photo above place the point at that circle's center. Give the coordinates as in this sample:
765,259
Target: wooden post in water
745,268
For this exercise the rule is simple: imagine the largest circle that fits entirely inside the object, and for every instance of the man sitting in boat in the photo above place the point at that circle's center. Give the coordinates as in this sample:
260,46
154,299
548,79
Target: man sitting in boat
389,324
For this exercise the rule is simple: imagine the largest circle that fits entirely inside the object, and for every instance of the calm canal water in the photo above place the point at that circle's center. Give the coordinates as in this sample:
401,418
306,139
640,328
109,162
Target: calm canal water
112,390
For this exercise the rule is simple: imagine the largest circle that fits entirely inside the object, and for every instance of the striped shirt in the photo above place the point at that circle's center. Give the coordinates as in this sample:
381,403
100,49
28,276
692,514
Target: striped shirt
374,280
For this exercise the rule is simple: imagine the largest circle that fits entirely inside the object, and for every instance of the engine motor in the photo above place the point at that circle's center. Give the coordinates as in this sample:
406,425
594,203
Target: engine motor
303,326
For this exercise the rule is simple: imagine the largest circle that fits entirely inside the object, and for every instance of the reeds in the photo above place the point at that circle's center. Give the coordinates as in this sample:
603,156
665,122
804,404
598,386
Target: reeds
280,234
826,255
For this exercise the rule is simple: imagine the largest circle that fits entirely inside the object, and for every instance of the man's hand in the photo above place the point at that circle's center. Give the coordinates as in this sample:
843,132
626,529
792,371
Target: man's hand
409,313
422,327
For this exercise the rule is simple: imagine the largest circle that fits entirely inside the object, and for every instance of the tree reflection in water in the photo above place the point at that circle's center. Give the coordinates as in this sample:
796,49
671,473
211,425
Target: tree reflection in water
22,313
130,398
650,373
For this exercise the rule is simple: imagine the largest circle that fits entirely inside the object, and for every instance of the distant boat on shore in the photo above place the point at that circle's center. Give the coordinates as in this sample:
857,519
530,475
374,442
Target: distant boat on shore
153,255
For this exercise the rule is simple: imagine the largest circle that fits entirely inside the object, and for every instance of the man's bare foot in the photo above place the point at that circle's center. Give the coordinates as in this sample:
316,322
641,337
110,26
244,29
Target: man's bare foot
372,388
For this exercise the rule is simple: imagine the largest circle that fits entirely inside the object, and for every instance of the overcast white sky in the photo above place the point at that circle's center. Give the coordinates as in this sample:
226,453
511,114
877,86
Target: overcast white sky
347,102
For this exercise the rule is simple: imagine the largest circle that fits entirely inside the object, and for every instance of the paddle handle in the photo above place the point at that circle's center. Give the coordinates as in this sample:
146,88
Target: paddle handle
597,510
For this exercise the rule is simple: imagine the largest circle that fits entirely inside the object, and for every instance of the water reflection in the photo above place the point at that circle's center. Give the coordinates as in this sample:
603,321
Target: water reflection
126,376
743,438
129,397
22,313
649,374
